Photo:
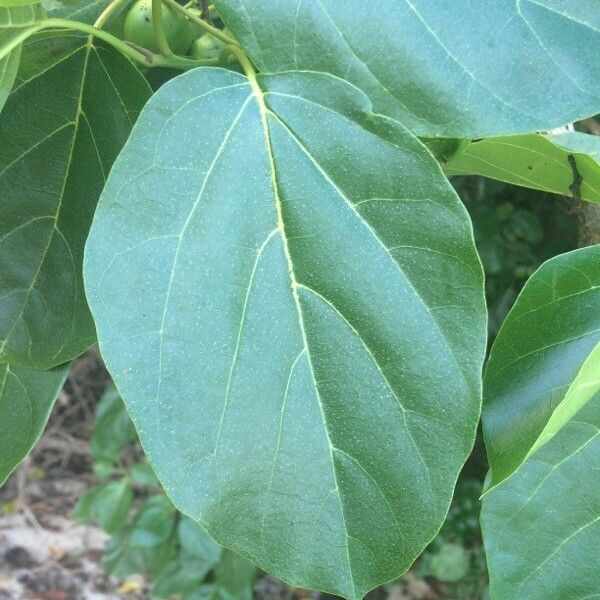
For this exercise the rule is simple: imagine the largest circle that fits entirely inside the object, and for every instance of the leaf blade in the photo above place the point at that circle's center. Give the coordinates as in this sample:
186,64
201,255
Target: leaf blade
543,366
281,315
543,162
43,324
528,534
419,68
14,21
26,399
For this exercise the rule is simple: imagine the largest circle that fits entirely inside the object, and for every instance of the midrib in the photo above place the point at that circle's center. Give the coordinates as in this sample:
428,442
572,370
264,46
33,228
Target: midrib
264,112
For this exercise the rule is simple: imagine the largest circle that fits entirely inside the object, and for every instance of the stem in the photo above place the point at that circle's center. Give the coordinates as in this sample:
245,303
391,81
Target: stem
146,58
16,40
159,31
245,63
114,41
210,28
109,11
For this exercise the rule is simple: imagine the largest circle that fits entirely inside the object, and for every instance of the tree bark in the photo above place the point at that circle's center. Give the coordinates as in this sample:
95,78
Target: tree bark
588,215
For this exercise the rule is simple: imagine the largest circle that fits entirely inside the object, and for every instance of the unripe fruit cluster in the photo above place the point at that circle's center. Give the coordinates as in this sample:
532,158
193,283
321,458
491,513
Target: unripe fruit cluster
183,36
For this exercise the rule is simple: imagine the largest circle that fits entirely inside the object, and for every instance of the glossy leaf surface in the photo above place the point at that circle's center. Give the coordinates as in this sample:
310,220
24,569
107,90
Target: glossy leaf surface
26,399
541,527
53,164
545,363
289,300
460,69
567,164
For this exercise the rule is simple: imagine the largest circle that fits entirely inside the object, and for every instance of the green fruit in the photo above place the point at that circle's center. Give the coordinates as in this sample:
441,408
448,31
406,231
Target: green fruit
207,46
115,26
197,30
139,29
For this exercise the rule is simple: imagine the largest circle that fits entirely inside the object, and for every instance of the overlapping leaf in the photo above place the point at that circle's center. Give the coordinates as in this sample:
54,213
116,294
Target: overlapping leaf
567,164
13,21
461,69
66,119
288,297
26,398
541,528
545,363
17,3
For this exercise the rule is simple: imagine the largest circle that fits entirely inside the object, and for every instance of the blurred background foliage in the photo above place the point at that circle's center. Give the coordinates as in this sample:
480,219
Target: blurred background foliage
516,230
148,535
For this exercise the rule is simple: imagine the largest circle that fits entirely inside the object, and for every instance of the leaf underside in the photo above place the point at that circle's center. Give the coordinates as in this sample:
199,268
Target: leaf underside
541,527
471,70
289,300
67,117
26,399
567,164
545,363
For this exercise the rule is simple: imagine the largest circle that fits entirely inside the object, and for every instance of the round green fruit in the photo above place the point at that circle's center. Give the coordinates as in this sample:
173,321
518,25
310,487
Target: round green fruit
207,46
197,30
138,27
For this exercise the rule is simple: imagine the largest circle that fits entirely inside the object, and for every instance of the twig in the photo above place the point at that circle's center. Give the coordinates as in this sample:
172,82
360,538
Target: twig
575,187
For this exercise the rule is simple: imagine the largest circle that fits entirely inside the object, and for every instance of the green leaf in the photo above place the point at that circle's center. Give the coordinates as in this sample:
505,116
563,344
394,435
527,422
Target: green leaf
113,428
108,505
545,363
196,544
13,21
198,555
26,399
234,576
541,527
154,523
177,578
551,163
142,474
450,563
85,11
204,592
51,176
120,559
234,579
578,142
159,559
17,3
289,300
445,149
462,69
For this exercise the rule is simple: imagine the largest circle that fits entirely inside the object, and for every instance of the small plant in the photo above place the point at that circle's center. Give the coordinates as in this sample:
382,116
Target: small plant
148,534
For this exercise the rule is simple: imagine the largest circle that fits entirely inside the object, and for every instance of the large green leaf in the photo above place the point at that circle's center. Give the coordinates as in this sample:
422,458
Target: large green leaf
85,11
17,3
541,528
290,303
26,399
567,164
579,142
455,69
12,23
545,363
66,119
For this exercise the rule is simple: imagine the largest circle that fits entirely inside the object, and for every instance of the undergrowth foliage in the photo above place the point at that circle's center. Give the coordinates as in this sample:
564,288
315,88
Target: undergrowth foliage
148,535
247,206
